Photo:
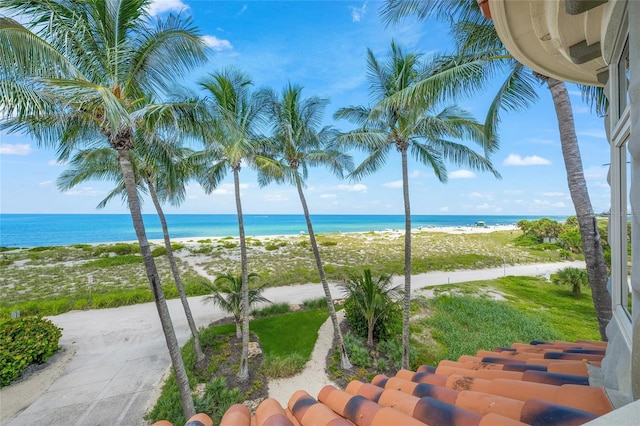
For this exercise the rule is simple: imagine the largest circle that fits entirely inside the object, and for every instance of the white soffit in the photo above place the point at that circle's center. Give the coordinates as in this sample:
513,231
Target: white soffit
539,33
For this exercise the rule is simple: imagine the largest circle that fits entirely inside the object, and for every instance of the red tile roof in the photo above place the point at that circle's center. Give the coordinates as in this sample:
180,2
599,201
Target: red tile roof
542,383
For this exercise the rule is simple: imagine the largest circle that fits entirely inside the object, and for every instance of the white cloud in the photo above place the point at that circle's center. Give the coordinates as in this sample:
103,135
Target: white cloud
56,163
553,194
328,196
160,6
594,133
358,12
559,204
243,10
462,174
276,197
358,187
540,141
393,184
228,189
83,191
532,160
483,195
17,149
596,173
217,44
482,206
414,174
513,191
444,209
46,183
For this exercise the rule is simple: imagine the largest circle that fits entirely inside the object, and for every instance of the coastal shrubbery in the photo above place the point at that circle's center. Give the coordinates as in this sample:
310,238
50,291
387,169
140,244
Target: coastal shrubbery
25,341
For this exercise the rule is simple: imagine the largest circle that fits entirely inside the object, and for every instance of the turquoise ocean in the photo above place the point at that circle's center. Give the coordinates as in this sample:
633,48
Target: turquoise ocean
35,230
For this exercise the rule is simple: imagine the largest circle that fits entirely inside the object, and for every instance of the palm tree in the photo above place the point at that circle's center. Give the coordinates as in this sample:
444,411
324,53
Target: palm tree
411,127
231,138
574,277
170,177
229,297
90,71
297,144
476,38
373,298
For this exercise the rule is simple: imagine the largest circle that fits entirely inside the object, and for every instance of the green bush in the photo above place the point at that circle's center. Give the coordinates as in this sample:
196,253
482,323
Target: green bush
118,248
319,303
217,399
25,341
358,354
386,327
279,366
106,262
271,310
159,251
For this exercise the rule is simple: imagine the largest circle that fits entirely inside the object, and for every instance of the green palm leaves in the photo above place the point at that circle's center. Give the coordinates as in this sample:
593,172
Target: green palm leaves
227,295
405,118
374,298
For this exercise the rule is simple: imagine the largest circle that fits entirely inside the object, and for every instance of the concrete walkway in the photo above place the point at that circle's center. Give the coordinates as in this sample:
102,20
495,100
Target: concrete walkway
114,359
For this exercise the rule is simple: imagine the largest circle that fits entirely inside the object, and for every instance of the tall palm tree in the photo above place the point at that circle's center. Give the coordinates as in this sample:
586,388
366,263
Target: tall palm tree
161,172
298,143
476,38
412,127
231,139
87,71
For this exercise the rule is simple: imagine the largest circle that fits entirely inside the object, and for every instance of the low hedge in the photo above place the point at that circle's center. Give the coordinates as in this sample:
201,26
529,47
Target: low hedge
25,341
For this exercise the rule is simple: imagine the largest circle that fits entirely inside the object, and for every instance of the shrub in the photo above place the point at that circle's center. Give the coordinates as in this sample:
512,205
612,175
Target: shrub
271,310
319,303
25,341
106,262
217,399
159,251
574,277
385,327
358,354
279,366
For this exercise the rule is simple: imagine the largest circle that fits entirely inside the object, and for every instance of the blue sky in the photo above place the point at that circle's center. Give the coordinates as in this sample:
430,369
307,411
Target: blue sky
321,45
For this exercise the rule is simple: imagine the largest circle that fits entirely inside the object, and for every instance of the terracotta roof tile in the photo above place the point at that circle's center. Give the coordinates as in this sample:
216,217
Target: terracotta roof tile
540,383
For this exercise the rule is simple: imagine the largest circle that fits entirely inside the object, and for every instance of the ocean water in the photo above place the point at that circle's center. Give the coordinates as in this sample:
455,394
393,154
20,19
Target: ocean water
34,230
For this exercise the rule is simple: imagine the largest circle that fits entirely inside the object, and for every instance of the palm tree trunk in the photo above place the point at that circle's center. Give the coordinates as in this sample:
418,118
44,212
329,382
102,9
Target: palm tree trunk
344,356
592,248
407,262
370,324
154,282
243,373
175,272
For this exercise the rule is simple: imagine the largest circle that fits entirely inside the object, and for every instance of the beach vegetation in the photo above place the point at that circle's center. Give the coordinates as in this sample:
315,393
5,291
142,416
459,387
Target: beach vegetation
119,249
25,341
423,127
271,310
108,262
318,303
299,142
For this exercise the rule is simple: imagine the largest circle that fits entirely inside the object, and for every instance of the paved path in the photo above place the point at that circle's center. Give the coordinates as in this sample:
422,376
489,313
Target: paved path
114,359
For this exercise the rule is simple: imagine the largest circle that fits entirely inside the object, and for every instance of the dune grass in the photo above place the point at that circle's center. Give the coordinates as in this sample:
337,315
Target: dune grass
461,318
53,280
